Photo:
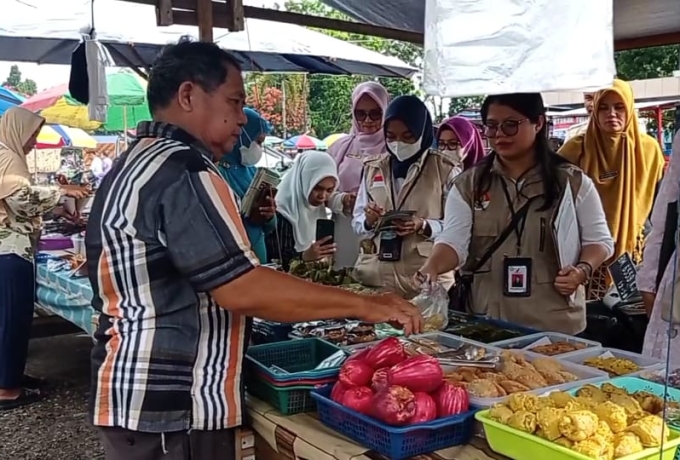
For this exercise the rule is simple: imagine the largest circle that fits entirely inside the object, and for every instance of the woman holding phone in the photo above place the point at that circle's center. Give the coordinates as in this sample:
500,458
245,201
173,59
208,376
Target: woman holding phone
407,186
300,202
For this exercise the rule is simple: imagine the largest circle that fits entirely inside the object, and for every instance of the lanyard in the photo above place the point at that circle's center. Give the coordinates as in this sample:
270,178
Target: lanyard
519,228
411,185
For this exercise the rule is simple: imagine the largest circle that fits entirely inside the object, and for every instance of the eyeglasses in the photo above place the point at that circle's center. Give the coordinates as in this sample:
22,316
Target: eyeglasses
508,127
448,145
373,115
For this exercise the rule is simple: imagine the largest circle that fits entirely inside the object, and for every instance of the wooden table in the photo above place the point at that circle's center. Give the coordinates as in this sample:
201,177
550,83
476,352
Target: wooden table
303,437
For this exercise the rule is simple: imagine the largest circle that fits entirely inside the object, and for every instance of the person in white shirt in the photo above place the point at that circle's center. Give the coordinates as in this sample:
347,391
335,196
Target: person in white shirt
100,166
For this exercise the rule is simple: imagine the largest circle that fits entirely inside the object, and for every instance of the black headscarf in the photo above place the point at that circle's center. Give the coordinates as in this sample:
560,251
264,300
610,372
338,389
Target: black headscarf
415,115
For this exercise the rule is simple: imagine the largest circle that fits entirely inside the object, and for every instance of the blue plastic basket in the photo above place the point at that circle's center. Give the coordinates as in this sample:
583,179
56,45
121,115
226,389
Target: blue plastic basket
396,443
297,357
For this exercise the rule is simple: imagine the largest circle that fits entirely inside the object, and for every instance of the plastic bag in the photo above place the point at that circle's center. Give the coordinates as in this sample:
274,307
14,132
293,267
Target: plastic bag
433,302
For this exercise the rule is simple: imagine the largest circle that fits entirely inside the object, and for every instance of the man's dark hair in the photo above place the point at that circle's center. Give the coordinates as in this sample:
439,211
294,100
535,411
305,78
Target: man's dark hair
202,63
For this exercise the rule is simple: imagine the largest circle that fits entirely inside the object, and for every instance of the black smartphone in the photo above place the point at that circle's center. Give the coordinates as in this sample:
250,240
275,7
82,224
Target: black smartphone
325,228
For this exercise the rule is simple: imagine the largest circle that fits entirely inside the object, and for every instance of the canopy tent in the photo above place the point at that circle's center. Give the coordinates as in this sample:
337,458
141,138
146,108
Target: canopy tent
8,99
636,24
48,32
127,104
53,136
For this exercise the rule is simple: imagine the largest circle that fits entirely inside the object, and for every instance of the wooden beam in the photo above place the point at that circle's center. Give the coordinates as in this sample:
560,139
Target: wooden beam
649,41
164,12
204,13
235,16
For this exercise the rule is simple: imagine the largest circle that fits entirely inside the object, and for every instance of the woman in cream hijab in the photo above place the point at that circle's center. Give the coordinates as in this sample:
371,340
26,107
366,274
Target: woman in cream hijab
625,163
21,208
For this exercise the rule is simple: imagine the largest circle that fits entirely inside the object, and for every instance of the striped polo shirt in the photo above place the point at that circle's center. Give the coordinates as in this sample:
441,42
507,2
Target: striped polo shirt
164,231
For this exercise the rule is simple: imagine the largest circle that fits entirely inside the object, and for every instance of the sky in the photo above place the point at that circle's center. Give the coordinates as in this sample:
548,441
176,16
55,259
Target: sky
47,76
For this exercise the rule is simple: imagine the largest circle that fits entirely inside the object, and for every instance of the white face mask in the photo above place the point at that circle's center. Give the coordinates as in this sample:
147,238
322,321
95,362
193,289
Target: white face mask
403,151
251,155
457,155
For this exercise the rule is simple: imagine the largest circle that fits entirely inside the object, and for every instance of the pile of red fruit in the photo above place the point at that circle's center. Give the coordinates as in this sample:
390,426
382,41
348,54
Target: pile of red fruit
383,382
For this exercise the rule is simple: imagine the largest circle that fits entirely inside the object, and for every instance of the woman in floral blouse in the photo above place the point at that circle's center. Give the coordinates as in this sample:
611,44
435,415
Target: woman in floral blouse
21,208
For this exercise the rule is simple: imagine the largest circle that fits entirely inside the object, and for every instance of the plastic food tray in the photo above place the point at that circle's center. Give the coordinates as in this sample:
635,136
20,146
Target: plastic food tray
519,445
645,363
584,373
396,443
455,341
298,357
633,384
521,342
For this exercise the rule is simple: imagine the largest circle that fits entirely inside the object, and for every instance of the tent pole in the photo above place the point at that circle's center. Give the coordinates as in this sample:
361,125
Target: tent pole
204,12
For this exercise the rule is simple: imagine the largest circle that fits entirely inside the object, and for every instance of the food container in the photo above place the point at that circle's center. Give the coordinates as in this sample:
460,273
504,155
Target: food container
485,330
396,443
585,375
453,342
526,343
645,363
519,445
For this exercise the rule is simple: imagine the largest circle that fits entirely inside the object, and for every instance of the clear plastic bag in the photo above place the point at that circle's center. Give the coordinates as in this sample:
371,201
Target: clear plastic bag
433,302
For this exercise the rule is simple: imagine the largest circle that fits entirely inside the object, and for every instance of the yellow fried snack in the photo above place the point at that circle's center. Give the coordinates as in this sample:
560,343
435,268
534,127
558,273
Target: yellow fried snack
604,432
595,448
560,398
592,393
578,425
500,413
544,402
548,420
613,415
523,401
523,421
614,366
629,404
627,443
651,430
564,442
587,403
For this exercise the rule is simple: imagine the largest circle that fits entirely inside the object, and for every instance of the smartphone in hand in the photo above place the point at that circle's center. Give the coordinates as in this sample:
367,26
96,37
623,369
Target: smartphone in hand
325,228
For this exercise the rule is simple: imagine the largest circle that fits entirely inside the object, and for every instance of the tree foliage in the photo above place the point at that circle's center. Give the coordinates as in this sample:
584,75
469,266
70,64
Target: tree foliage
15,83
266,95
644,63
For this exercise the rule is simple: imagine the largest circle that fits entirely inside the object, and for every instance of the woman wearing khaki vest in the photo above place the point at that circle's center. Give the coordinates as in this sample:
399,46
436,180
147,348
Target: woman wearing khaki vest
522,182
410,178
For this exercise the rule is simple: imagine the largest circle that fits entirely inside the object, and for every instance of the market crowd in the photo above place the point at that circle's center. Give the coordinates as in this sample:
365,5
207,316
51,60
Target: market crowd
176,262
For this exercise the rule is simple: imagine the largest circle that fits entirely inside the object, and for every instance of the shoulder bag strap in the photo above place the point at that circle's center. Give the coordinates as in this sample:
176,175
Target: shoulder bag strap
519,215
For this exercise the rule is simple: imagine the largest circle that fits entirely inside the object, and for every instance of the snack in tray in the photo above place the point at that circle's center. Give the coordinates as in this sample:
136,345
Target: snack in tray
481,332
672,380
600,422
514,375
614,366
557,348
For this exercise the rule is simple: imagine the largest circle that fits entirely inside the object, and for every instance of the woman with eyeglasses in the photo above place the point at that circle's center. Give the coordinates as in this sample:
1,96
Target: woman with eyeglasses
238,169
411,179
459,139
626,164
366,138
498,227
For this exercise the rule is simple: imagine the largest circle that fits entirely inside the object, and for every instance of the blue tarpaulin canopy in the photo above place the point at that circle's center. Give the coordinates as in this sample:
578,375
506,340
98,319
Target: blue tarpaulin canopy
8,99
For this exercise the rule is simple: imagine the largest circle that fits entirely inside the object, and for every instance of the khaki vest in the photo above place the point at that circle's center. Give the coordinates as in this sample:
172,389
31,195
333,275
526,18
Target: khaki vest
421,192
545,309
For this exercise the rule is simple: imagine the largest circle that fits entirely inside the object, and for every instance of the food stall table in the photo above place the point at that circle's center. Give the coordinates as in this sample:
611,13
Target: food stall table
302,436
70,298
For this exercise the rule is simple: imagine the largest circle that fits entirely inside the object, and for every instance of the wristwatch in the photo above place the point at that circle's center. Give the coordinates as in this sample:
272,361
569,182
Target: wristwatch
586,268
423,228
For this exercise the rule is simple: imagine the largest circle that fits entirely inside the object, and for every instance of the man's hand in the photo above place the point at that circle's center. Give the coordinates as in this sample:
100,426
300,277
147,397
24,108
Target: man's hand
569,279
265,213
392,309
648,301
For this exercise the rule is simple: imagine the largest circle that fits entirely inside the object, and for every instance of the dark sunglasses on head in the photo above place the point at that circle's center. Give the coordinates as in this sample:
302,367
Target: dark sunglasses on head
448,145
373,115
508,127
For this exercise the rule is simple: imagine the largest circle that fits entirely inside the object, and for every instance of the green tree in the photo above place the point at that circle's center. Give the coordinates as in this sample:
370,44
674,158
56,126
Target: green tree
14,82
459,104
330,96
644,63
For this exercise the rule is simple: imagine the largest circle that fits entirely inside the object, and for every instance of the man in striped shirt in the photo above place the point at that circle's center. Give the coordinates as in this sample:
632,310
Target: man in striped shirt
175,279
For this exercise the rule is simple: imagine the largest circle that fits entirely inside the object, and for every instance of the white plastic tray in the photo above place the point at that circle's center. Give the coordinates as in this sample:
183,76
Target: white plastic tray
645,363
584,373
522,343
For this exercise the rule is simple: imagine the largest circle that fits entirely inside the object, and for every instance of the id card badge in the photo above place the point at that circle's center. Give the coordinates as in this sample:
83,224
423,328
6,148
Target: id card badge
390,246
517,277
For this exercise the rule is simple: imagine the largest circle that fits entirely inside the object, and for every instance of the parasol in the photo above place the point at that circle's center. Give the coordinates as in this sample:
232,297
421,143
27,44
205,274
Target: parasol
127,104
8,98
304,142
273,140
55,136
329,140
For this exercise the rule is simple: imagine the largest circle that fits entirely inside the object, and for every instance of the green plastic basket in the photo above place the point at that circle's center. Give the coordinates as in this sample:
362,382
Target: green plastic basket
287,400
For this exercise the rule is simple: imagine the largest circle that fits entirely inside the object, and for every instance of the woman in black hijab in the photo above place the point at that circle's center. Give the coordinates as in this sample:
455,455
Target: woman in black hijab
411,180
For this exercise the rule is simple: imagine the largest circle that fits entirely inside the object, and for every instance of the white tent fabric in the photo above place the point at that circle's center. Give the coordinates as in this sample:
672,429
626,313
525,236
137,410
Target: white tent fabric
48,31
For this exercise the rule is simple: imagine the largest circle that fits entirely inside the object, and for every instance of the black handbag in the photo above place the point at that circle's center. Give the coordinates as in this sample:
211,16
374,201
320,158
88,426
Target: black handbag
460,298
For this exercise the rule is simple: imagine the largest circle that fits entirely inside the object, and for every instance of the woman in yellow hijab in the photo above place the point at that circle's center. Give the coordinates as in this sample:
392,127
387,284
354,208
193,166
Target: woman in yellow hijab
625,163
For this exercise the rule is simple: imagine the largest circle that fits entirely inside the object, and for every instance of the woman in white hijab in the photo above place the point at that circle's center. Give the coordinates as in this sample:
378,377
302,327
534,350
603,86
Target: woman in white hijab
300,202
21,208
